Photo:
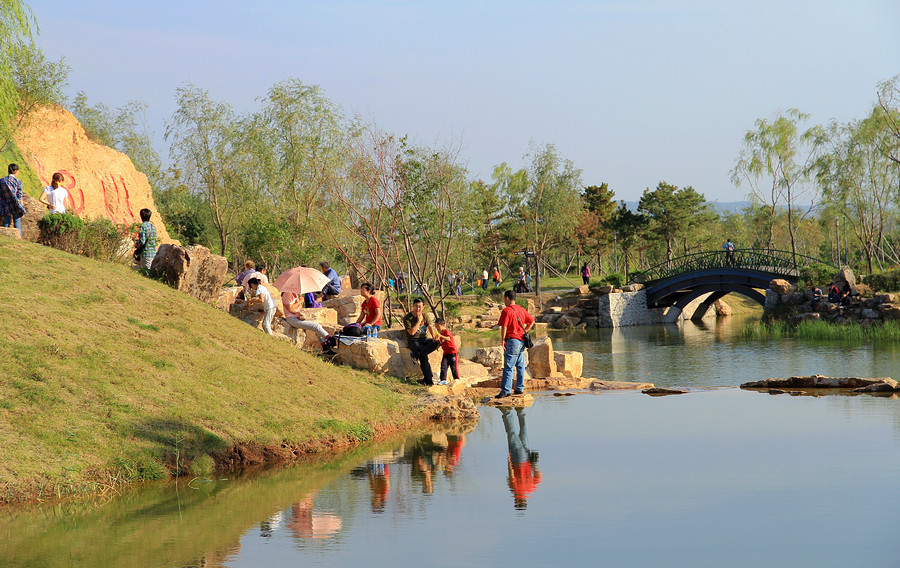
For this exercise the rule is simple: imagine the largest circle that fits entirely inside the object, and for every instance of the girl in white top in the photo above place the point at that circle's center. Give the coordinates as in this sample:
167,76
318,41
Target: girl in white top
55,196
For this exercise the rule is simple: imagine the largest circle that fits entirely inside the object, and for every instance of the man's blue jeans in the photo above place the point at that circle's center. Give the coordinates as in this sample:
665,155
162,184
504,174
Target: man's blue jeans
10,221
513,357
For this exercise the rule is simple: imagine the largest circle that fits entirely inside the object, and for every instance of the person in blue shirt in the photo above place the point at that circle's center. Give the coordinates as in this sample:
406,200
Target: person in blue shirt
333,288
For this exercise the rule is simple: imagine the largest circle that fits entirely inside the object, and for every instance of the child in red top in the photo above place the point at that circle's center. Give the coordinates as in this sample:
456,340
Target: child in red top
451,351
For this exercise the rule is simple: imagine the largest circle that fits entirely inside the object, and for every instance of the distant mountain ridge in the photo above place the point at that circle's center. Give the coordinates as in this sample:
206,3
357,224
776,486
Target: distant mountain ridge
721,207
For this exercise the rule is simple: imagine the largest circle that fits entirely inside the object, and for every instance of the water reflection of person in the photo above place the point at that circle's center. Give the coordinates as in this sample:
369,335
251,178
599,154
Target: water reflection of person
428,455
379,483
306,523
524,475
455,445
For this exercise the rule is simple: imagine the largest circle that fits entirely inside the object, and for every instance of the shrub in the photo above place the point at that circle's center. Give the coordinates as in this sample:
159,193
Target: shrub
451,308
884,281
60,231
615,279
102,240
815,275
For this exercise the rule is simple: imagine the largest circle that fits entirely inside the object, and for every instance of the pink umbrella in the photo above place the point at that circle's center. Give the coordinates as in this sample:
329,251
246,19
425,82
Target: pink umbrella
301,280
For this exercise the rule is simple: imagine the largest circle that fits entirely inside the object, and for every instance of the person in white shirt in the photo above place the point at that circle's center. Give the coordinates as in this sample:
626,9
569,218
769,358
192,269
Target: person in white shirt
268,302
54,196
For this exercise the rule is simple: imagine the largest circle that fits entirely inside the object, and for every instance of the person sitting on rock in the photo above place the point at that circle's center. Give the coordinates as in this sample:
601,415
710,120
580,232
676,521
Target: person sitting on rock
418,326
846,294
834,295
249,268
292,306
333,288
256,290
370,311
312,300
816,297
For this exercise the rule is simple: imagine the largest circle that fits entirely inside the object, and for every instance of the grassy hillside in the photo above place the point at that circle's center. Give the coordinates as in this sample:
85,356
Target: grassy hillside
108,377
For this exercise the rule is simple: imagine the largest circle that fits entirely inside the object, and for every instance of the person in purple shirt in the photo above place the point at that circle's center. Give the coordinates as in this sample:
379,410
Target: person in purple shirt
11,208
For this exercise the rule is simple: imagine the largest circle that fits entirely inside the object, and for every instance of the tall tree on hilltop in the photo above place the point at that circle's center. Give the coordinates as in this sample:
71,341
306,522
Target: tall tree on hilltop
593,230
16,26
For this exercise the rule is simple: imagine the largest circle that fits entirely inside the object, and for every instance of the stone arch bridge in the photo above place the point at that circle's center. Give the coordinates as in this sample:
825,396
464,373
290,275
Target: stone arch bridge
677,283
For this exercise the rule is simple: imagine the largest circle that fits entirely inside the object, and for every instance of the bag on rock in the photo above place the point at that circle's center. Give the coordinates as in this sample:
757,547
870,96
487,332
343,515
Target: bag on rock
353,330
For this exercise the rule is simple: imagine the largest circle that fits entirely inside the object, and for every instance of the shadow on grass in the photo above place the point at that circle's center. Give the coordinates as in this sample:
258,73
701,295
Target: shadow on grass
178,439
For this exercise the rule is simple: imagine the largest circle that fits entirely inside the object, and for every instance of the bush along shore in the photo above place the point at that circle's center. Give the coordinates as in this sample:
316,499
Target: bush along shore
858,314
109,378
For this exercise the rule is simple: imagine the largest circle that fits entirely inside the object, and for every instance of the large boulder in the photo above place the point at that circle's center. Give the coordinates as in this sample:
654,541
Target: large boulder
347,308
723,310
227,297
373,355
566,322
569,363
491,357
845,275
193,270
781,287
890,312
542,363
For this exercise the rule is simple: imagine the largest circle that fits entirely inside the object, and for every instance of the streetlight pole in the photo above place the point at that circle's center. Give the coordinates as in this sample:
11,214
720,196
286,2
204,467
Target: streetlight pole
616,249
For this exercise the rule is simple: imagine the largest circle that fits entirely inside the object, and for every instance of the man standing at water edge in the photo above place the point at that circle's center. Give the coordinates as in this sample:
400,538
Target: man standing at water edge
515,322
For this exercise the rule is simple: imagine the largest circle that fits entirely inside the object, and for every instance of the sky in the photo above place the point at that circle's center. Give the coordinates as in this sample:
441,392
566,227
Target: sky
634,92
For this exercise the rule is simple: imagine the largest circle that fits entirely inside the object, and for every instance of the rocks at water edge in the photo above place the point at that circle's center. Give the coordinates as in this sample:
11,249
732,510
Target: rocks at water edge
660,391
781,287
443,408
820,382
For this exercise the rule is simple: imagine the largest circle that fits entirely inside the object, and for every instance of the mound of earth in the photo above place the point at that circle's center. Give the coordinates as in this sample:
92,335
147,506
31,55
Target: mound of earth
102,182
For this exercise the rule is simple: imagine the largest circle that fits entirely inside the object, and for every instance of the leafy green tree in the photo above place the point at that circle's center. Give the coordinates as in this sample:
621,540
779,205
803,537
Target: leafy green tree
860,180
203,135
889,110
593,229
628,228
673,212
776,162
17,24
37,81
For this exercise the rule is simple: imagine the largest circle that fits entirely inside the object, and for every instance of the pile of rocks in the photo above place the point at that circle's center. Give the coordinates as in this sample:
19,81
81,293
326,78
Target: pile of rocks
193,270
784,301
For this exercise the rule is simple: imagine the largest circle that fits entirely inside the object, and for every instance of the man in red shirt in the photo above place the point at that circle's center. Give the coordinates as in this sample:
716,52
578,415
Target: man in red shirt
370,311
515,322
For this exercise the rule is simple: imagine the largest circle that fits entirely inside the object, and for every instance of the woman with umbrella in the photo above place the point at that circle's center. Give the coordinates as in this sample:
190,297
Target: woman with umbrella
293,284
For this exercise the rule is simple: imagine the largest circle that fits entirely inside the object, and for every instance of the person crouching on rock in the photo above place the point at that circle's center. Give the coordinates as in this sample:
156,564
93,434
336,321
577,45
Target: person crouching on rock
451,351
418,326
268,302
292,306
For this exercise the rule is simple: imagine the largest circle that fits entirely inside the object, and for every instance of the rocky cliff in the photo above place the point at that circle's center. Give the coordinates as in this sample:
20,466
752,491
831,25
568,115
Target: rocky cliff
102,182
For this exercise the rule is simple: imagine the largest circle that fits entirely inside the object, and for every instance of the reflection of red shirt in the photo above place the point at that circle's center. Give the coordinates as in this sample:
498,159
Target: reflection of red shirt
509,320
449,347
454,449
372,310
522,480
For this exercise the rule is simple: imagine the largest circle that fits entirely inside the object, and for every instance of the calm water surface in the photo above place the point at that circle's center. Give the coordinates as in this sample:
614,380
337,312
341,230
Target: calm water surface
717,477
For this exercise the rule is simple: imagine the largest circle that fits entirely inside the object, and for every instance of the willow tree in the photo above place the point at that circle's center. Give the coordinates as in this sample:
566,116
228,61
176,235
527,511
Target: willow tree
777,162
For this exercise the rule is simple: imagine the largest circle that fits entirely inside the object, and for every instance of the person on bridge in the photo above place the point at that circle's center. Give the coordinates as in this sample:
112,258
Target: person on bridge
729,251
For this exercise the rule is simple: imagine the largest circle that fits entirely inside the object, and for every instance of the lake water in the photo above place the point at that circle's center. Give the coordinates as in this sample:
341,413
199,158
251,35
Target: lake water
716,477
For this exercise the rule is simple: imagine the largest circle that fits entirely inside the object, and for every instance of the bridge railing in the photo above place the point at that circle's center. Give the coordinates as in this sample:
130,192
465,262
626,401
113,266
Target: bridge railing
775,262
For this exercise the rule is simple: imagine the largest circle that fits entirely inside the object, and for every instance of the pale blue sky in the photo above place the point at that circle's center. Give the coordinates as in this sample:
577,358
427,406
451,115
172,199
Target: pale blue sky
633,92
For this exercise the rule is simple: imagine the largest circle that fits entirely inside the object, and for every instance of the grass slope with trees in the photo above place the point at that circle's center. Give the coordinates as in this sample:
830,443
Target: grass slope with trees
110,378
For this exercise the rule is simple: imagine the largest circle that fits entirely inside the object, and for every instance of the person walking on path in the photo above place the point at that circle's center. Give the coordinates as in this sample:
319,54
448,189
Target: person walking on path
256,290
484,279
515,322
497,277
729,252
11,207
54,196
586,274
146,242
419,326
451,352
370,311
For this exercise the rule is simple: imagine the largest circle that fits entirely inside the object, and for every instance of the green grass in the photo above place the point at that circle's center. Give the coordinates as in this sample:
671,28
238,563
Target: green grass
107,377
823,331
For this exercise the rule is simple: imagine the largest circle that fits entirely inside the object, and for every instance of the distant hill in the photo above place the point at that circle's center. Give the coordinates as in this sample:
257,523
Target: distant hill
721,207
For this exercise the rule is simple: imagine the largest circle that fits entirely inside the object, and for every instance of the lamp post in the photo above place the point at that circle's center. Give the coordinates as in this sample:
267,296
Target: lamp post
616,248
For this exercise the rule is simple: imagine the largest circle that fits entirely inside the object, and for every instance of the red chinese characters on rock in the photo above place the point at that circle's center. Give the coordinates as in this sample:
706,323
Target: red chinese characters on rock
119,201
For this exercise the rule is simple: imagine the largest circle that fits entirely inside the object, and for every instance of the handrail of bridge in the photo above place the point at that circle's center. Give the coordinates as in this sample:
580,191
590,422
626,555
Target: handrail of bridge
775,262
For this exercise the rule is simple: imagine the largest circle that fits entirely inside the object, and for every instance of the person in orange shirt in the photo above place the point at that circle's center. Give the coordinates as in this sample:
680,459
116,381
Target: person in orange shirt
524,475
370,311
